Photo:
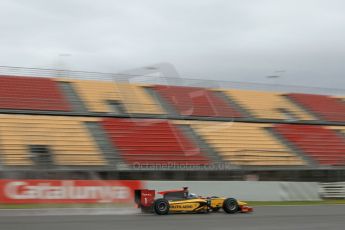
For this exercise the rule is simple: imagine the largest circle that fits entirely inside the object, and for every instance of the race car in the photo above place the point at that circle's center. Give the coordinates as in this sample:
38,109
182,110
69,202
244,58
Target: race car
181,201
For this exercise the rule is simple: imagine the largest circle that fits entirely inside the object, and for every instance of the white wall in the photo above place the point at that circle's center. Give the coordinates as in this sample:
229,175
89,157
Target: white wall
245,190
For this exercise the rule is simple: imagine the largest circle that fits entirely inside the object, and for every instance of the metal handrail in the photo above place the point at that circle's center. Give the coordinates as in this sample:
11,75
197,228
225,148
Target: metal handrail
166,80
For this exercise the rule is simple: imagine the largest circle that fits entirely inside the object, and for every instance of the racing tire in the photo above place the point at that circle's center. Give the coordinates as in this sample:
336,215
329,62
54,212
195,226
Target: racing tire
230,206
161,207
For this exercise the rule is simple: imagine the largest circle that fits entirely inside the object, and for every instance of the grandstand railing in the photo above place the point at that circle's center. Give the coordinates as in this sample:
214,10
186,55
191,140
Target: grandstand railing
165,80
57,73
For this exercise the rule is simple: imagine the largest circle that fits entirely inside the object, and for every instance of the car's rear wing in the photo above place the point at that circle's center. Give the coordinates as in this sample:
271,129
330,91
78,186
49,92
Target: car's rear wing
144,197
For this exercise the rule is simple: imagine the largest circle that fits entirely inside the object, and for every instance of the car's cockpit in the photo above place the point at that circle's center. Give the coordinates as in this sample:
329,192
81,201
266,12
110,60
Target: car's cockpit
179,194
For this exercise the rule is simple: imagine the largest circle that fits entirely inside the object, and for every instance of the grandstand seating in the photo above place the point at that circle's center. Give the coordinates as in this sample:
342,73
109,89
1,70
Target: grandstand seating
98,95
148,142
268,105
245,143
324,145
66,137
157,141
325,107
31,93
196,101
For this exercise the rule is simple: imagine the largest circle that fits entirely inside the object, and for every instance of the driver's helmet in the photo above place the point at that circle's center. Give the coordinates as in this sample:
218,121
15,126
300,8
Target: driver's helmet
192,195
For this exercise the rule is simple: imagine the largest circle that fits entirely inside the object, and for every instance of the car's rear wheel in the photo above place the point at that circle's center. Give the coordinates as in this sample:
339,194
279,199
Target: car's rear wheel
230,206
161,206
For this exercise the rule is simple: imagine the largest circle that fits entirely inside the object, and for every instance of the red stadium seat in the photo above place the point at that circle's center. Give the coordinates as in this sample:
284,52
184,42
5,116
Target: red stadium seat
324,145
31,93
194,101
326,107
145,141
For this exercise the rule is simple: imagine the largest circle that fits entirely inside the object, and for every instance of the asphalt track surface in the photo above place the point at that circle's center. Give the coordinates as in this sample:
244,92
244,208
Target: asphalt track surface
264,218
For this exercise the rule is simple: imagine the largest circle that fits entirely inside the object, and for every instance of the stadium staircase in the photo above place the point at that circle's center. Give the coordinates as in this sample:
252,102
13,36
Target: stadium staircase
193,101
310,161
322,144
205,147
109,152
230,101
76,102
150,142
325,107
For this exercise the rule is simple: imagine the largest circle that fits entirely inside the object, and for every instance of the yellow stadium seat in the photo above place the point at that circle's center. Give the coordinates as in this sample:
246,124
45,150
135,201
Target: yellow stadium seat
97,96
269,105
67,137
244,143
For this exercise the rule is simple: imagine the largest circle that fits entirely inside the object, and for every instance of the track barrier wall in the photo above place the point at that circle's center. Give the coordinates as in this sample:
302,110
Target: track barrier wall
122,192
67,191
246,190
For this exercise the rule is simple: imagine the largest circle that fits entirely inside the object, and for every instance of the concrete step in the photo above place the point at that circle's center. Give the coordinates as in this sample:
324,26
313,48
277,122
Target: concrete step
111,154
233,104
310,161
302,107
159,100
203,145
72,96
117,107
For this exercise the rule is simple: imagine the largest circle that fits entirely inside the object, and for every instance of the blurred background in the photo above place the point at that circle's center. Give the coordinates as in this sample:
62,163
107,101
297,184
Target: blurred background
230,98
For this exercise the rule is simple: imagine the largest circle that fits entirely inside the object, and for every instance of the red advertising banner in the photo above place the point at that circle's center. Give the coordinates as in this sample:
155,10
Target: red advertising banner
67,191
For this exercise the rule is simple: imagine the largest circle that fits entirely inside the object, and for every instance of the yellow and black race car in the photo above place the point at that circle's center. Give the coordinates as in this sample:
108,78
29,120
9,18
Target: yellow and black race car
181,201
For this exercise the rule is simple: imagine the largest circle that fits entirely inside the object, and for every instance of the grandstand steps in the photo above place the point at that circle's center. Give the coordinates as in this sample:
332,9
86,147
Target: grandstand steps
233,103
116,107
290,115
327,108
196,101
321,143
72,97
311,162
203,145
146,142
300,106
161,101
110,153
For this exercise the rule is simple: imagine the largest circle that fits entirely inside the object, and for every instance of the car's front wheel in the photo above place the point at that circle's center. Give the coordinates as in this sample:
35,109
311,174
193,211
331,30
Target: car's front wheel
161,206
230,205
